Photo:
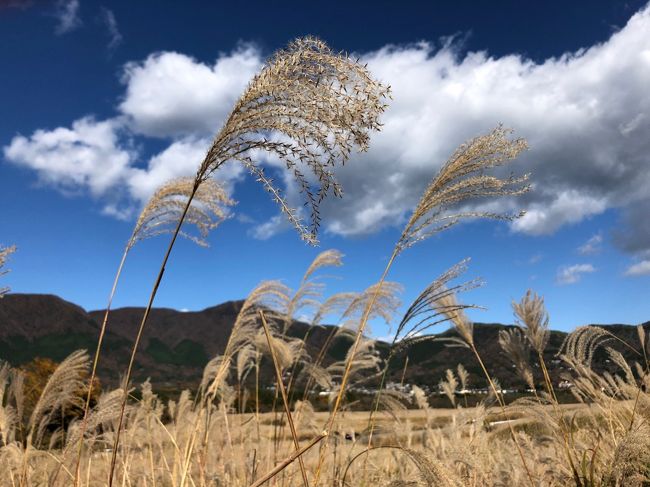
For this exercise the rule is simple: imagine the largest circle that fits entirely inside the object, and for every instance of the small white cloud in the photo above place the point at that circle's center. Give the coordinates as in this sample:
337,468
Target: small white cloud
569,206
591,246
639,269
244,218
115,36
572,274
88,155
535,259
272,227
67,15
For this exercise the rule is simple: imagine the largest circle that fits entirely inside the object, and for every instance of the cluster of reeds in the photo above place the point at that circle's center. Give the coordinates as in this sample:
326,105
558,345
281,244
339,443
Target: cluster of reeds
309,108
220,434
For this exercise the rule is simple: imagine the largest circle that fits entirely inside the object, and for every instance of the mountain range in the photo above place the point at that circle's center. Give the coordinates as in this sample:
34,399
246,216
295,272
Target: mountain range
176,345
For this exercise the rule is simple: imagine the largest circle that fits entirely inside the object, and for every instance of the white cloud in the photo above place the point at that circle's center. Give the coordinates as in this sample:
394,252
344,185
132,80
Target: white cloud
535,259
268,229
88,155
572,274
67,15
639,269
592,246
115,36
546,217
171,94
584,114
571,109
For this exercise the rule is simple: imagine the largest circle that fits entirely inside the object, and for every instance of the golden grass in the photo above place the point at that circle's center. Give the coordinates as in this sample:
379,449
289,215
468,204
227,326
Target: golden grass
310,107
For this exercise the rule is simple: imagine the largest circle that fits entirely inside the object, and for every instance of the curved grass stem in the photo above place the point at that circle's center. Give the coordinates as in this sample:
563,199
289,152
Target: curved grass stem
143,323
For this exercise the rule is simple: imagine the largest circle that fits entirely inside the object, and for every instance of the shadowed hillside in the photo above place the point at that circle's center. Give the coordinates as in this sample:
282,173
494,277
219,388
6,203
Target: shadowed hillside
178,344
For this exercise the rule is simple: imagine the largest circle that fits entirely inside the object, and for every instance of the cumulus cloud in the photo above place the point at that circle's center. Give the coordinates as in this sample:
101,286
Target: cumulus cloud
592,246
171,94
89,155
114,34
572,274
585,115
633,234
67,16
639,269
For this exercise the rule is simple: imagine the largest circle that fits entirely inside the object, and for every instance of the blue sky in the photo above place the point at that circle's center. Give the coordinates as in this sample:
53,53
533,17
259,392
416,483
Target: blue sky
102,102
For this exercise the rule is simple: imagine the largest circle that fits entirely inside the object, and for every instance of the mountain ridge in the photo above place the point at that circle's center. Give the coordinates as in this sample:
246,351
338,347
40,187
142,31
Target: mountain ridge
177,344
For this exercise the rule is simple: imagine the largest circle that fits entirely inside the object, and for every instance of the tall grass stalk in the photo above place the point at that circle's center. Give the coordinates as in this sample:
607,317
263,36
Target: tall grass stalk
283,392
138,337
461,179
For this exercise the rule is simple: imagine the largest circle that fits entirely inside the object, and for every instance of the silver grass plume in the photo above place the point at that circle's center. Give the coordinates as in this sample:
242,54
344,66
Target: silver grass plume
426,312
5,252
514,344
60,391
163,211
162,214
385,304
272,296
308,107
581,344
449,386
449,306
463,376
461,179
105,411
336,303
310,290
366,363
287,351
532,318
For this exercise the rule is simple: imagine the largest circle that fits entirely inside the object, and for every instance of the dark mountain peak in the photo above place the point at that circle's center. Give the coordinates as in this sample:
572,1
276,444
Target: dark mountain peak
35,315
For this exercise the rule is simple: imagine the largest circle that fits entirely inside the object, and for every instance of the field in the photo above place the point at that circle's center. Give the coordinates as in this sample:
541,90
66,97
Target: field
309,108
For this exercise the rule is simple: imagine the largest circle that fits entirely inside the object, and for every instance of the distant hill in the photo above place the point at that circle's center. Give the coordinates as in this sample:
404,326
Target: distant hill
176,345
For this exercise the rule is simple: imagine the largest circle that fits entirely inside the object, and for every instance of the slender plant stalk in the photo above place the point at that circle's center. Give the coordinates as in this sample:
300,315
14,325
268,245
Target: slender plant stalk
318,361
565,433
287,409
503,410
406,364
93,373
375,408
145,317
289,460
348,366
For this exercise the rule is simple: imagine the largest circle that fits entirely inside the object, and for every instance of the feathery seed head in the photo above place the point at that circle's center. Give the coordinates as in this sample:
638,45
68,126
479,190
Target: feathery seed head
463,375
163,211
533,319
309,107
513,342
448,305
423,313
462,179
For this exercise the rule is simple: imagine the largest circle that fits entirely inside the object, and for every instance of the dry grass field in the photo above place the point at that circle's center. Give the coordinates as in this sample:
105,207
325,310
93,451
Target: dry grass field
309,108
